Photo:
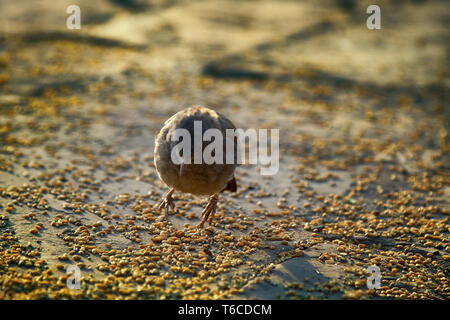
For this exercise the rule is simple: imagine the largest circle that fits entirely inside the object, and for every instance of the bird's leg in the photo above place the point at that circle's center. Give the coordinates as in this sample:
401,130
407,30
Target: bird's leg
210,209
167,202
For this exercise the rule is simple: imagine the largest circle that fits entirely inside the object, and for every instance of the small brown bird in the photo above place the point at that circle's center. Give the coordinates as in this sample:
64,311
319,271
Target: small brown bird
190,176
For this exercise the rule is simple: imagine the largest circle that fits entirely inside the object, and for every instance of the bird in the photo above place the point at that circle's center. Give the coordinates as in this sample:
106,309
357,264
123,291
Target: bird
199,179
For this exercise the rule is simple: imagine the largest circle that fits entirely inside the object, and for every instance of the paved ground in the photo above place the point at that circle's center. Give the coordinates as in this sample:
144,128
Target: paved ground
364,163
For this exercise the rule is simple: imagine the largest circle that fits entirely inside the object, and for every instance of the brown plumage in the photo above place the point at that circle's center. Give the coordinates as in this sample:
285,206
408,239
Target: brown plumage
197,179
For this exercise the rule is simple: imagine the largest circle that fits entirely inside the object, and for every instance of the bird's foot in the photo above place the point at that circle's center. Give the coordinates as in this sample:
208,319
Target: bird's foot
167,202
209,211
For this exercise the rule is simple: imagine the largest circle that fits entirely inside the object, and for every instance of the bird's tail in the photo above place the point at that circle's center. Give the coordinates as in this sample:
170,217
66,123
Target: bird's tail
231,185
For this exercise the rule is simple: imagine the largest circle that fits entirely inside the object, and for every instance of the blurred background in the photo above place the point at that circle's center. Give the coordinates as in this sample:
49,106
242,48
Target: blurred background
276,38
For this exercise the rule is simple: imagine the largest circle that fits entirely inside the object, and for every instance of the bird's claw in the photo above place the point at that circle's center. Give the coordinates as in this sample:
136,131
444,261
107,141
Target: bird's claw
167,202
209,211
